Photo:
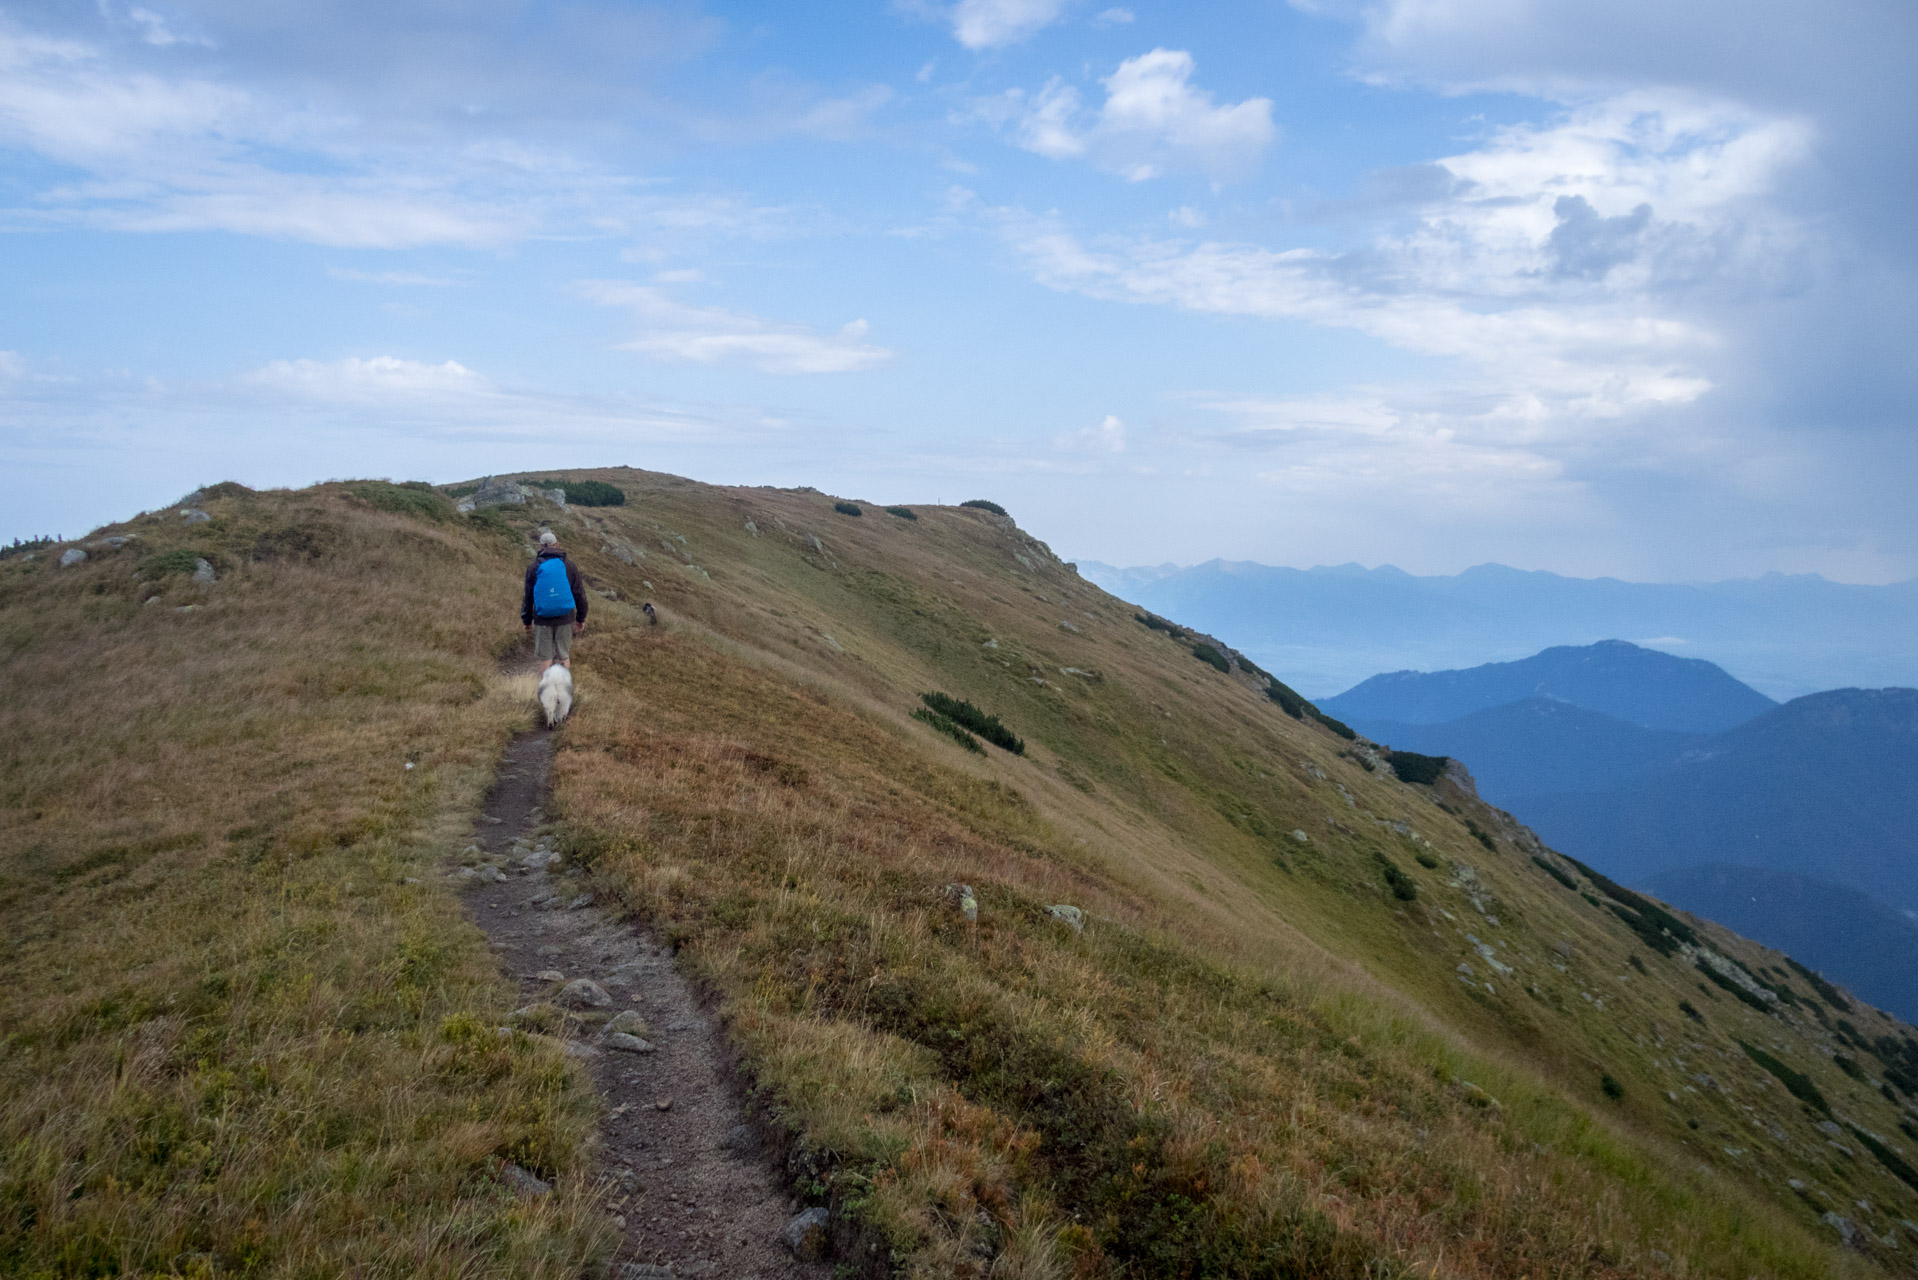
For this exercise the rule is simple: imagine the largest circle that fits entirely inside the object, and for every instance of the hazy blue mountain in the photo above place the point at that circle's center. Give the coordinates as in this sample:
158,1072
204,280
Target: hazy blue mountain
1825,786
1862,945
1324,629
1536,745
1617,679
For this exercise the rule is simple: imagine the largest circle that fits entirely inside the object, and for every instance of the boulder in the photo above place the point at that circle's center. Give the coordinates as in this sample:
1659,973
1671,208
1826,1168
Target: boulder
806,1235
555,496
498,493
584,993
203,572
523,1183
1072,917
625,1043
72,556
193,515
628,1022
113,543
968,902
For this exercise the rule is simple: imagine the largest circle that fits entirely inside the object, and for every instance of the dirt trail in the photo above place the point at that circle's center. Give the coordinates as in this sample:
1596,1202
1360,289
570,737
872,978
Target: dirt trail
685,1176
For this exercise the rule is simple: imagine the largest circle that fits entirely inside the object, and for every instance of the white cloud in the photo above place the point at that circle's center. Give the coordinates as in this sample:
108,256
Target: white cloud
1108,437
400,278
676,331
155,30
1153,120
376,379
990,24
1114,18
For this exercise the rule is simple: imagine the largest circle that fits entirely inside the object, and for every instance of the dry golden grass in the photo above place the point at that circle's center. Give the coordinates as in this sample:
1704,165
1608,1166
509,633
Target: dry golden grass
246,1029
1253,1062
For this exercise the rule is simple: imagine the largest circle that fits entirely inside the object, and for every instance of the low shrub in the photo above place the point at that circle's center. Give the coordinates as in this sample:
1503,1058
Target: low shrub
961,712
1556,872
1832,995
1690,1011
1403,887
1797,1083
1211,657
1849,1065
927,716
423,502
1898,1166
1410,766
1153,622
163,563
1426,860
980,504
1649,920
1613,1089
904,513
1635,962
848,508
579,493
1336,726
23,548
1481,835
1738,992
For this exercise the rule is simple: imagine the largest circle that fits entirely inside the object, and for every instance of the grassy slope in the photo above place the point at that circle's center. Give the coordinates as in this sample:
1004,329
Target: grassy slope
1255,1060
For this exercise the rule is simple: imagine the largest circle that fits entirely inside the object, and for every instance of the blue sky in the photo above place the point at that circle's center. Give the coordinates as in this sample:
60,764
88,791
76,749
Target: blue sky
1621,289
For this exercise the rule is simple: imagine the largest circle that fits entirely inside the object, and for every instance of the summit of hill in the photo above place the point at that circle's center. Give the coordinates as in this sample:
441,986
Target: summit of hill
1052,937
1640,686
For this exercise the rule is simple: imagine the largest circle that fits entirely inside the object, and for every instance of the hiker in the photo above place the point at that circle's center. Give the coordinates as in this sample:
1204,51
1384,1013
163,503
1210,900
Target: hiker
553,609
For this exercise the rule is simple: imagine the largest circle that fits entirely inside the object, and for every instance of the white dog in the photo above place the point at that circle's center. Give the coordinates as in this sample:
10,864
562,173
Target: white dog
556,694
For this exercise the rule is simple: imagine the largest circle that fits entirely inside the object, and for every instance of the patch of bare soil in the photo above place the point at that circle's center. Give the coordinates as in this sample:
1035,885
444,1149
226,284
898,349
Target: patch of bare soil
685,1176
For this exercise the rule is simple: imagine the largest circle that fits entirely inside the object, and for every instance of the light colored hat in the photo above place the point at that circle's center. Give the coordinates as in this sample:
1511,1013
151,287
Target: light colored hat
547,538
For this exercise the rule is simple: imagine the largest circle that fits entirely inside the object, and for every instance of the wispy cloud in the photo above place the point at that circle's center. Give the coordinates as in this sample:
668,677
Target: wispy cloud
1153,121
991,24
677,331
412,279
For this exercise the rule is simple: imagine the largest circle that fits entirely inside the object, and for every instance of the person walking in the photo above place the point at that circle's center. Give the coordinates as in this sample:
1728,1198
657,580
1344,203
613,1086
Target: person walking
553,607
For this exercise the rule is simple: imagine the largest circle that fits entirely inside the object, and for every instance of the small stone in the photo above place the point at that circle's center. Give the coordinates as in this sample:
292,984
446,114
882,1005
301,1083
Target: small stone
492,875
574,1049
543,900
203,572
584,993
550,975
806,1235
628,1022
1072,917
525,1185
627,1043
72,556
539,859
1847,1230
490,820
1300,836
664,1104
738,1139
583,900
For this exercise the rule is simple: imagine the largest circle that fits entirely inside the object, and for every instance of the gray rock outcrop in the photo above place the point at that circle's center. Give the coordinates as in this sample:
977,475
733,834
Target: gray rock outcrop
72,556
806,1235
584,993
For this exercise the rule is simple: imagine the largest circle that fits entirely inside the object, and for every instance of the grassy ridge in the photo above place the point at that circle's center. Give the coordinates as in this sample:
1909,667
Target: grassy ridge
1261,1056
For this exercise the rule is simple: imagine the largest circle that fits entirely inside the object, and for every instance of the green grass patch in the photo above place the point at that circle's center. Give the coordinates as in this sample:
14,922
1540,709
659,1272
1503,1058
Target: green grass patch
166,563
420,501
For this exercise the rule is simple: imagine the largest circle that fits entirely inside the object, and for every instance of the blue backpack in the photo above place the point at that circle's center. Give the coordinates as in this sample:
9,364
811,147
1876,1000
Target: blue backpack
552,594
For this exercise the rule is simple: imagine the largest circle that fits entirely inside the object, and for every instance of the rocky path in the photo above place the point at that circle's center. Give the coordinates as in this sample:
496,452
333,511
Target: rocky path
685,1178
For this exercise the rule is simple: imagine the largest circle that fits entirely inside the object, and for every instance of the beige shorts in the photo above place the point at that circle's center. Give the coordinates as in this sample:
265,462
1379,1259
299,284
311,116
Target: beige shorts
553,642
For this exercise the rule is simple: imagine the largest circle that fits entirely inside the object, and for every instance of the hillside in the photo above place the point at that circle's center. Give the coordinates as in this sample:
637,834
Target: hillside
1639,686
1519,749
1332,626
1823,787
1853,938
1309,1019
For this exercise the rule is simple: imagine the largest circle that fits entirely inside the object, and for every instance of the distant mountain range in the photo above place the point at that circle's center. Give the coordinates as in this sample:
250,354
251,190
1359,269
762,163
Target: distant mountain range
1795,824
1324,629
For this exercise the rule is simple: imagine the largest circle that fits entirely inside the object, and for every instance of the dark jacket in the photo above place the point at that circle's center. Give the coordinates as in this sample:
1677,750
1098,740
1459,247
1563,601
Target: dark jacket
576,614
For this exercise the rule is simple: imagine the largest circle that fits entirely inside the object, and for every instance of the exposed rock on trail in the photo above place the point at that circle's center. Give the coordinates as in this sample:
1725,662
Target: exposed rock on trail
682,1174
